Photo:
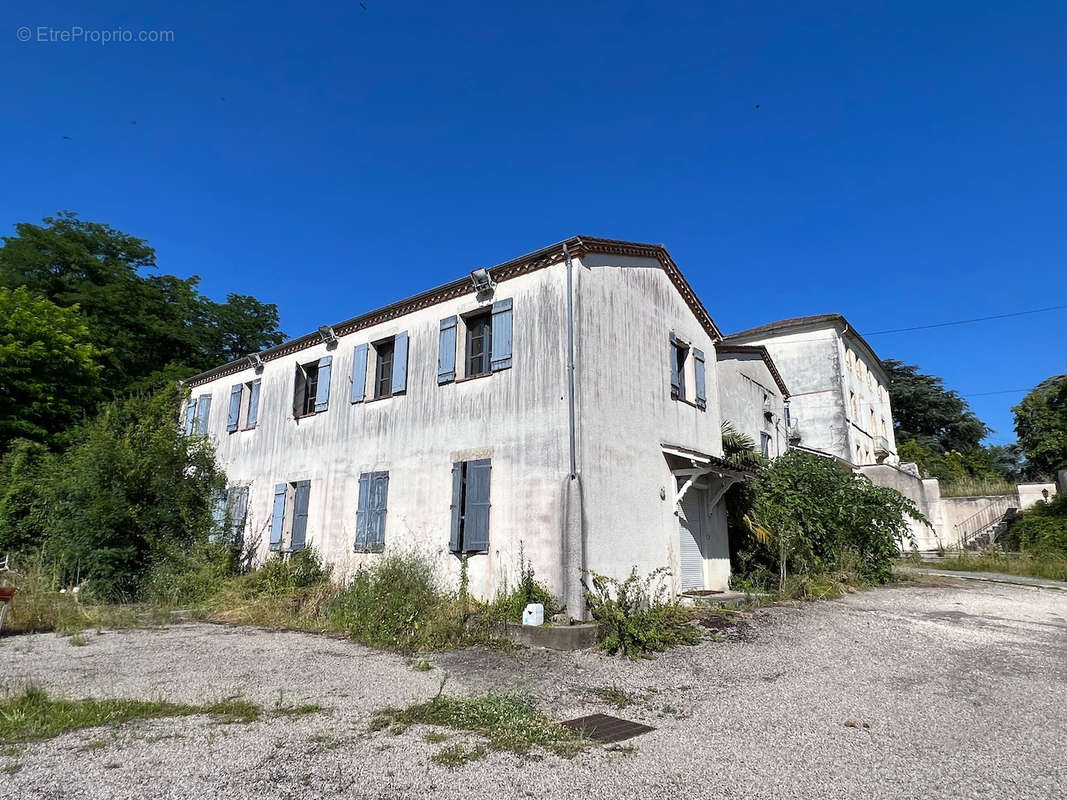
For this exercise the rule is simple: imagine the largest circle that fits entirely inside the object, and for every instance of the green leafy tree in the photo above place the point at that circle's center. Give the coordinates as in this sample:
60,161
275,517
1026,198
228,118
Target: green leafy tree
145,322
809,516
1041,425
925,411
936,428
23,470
49,376
131,492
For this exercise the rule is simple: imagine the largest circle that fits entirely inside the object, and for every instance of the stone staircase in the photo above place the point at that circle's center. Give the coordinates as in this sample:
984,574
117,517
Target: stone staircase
983,528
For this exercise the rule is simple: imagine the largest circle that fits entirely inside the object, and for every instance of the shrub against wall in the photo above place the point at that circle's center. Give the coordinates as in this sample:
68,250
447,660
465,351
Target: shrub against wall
808,516
1043,528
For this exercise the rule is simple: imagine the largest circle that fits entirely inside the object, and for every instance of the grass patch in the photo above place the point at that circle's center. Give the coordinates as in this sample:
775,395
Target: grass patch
11,769
456,755
976,487
1047,564
612,695
33,715
507,721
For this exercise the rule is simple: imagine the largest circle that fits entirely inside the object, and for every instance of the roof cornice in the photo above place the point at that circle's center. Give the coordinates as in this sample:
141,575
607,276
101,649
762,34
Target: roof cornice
531,262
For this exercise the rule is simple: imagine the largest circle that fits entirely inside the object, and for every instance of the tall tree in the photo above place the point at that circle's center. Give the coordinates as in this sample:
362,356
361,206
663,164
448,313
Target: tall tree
925,411
49,377
145,323
1041,425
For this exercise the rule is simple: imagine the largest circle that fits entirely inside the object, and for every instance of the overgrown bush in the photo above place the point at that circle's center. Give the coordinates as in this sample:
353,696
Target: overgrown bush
1043,528
807,516
129,493
637,617
399,603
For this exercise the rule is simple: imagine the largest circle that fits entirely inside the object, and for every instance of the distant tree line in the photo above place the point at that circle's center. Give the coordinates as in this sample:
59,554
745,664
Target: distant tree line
936,428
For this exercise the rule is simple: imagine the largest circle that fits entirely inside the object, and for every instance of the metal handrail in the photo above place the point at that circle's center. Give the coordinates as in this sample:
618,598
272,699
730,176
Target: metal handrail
982,519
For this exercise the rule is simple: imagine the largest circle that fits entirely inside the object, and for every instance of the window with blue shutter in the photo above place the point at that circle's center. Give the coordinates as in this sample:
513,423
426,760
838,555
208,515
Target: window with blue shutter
253,404
234,414
203,413
446,352
322,387
237,506
301,501
359,374
470,506
701,378
678,352
400,363
190,417
277,522
370,514
501,346
218,516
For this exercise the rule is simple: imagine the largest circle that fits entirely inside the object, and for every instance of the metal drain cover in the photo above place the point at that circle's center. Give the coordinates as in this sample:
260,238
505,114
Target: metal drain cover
606,728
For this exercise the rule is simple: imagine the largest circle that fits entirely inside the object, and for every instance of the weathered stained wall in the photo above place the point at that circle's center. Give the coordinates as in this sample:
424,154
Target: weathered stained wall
626,310
747,391
809,362
517,417
839,400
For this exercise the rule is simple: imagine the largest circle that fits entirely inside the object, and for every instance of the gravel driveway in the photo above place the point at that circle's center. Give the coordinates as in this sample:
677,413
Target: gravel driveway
963,688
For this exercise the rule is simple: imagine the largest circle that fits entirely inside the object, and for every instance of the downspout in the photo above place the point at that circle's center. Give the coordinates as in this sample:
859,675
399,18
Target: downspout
570,358
573,555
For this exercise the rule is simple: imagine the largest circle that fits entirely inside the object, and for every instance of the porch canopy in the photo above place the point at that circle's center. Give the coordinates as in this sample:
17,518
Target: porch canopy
690,466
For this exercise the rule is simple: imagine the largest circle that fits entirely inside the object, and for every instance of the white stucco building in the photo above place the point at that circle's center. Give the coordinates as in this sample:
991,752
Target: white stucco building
451,423
839,390
753,397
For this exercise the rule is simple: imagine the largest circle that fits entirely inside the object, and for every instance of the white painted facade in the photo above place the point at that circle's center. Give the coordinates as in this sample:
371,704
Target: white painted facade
753,398
622,510
839,391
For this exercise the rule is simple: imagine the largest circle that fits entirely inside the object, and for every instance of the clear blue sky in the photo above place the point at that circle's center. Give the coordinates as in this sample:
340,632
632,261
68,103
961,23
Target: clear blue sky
906,165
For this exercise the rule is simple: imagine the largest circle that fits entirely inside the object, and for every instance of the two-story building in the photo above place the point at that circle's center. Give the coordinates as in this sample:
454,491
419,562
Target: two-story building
559,404
839,390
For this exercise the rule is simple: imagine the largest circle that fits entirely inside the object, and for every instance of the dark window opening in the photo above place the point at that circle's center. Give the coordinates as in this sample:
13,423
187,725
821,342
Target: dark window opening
383,370
307,386
765,444
479,344
678,371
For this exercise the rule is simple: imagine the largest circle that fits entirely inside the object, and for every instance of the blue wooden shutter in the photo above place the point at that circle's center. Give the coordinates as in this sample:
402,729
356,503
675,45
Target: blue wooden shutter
322,390
476,508
238,512
378,501
235,407
454,541
359,374
701,378
278,519
676,378
362,518
400,362
203,413
253,405
446,352
500,358
190,416
300,515
218,516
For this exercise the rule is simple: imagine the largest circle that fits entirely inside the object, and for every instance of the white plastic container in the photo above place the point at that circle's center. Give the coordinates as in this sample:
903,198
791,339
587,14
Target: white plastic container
533,614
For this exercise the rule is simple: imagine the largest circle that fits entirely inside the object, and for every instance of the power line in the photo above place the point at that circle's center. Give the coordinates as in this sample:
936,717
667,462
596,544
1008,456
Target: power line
1001,391
967,321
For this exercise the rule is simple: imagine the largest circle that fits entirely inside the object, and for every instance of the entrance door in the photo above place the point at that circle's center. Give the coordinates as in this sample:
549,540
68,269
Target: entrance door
691,525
